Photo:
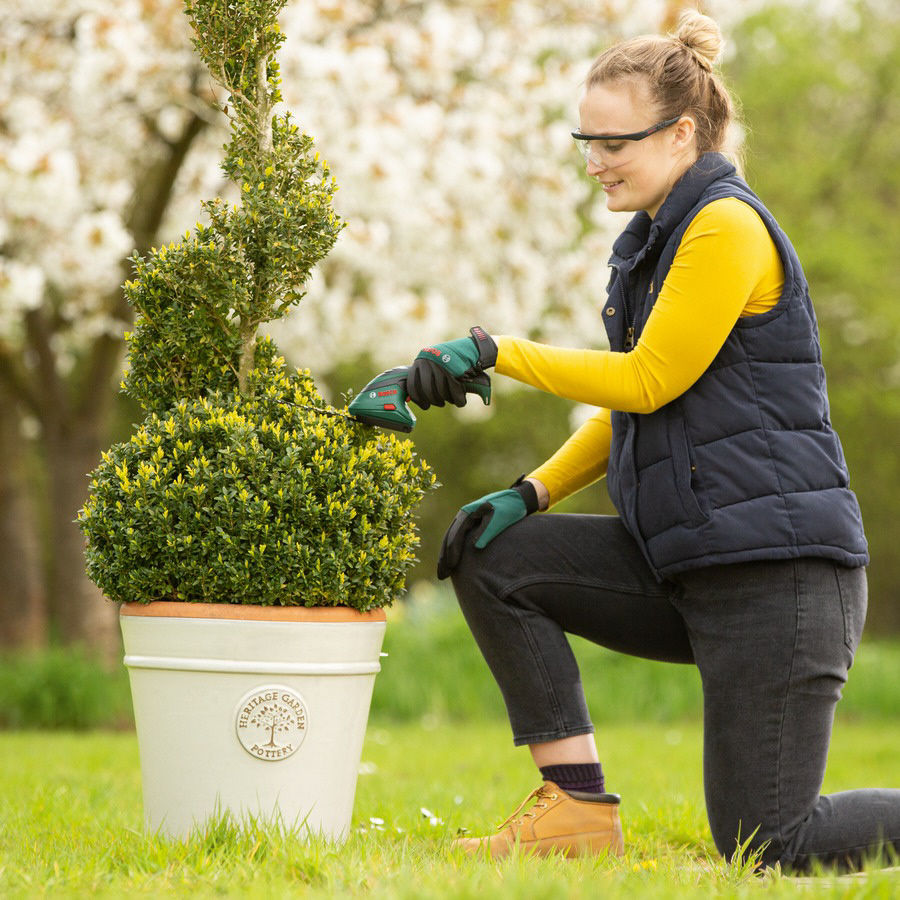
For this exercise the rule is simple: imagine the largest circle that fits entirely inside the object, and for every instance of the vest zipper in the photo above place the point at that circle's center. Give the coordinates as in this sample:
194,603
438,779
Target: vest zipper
629,321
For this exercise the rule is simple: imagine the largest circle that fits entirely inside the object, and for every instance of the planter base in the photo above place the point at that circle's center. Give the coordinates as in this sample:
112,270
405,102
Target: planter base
257,711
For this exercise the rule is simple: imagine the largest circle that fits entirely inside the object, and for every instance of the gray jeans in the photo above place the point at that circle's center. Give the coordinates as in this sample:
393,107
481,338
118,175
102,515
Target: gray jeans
772,641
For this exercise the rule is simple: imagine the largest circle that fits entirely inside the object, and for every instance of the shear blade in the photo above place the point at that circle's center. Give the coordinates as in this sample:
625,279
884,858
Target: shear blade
324,412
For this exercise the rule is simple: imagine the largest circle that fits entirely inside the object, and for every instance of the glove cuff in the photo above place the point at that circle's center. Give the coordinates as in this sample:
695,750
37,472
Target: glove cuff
525,489
487,348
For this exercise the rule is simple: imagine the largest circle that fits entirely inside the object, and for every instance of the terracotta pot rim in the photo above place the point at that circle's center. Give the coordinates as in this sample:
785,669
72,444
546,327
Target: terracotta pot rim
247,612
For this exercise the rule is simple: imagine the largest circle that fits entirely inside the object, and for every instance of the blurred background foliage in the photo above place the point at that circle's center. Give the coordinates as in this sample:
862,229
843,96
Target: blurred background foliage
433,675
819,89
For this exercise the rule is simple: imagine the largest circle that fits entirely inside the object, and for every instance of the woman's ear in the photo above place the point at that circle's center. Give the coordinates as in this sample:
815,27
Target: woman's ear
683,132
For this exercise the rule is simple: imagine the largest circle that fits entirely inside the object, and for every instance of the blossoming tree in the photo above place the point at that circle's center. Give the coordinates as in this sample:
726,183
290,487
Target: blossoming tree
446,125
101,104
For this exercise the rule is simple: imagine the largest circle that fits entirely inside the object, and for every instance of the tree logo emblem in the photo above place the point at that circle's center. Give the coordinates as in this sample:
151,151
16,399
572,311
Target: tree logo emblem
271,722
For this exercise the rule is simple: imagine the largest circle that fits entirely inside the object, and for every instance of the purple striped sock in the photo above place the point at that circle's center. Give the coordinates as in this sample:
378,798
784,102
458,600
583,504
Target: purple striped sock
587,777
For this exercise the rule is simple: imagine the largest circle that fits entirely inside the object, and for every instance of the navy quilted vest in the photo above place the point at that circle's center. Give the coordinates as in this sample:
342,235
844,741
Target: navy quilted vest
744,465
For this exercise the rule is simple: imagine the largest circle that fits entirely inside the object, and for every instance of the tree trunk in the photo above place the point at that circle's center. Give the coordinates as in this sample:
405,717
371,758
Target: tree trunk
80,612
73,410
23,612
248,355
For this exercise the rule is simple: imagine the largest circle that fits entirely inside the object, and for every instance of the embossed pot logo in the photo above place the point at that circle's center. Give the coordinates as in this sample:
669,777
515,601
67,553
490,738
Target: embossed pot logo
271,722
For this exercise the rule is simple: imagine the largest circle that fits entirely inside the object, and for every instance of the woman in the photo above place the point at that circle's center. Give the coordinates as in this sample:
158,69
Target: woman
738,546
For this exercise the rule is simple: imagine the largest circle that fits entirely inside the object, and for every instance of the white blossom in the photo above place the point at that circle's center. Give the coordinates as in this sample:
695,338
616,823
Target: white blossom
446,125
82,85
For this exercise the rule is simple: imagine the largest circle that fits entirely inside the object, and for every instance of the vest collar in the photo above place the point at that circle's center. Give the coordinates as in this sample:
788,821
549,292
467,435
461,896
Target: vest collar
644,236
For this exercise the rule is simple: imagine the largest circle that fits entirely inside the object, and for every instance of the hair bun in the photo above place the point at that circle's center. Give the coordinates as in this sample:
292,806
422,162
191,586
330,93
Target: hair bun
701,36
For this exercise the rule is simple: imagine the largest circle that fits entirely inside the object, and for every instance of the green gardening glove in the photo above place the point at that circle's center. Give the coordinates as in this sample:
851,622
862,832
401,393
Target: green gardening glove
485,519
442,373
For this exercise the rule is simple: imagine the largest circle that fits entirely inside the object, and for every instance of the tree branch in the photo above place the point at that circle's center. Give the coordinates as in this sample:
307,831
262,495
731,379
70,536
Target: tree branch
154,191
263,106
151,200
12,374
52,397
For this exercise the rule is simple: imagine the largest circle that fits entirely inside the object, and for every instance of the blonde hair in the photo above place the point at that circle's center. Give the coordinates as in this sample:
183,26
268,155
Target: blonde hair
678,72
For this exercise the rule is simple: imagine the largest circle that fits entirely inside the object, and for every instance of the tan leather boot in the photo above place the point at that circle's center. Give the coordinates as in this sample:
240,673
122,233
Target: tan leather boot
570,824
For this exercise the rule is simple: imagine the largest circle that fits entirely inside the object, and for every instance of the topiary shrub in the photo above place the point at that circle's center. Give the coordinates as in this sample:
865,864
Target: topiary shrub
254,501
236,488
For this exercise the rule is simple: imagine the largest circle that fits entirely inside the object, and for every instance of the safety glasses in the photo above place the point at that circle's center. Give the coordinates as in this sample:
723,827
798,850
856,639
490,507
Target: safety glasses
597,148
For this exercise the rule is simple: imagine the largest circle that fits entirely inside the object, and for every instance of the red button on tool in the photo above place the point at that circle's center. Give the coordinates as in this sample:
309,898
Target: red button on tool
390,406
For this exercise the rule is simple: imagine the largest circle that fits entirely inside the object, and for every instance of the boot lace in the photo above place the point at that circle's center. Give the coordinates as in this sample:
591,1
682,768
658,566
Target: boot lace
540,794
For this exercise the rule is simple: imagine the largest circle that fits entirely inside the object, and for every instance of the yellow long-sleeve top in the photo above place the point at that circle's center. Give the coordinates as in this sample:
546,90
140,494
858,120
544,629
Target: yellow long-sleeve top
726,267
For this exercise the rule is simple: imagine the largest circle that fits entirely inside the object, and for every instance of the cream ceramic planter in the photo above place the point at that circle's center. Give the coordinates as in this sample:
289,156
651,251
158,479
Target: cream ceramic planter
260,711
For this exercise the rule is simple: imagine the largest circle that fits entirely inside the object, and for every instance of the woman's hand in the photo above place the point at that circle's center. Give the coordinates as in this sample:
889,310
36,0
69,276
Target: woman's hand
436,374
485,518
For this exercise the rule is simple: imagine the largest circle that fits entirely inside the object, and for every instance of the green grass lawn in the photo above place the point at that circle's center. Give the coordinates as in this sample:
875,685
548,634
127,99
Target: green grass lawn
70,822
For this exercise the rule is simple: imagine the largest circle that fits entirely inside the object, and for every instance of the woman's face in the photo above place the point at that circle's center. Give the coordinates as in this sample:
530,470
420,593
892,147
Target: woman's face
635,174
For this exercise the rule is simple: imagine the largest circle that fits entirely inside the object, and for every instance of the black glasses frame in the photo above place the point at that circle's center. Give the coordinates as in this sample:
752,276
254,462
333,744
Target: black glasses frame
635,136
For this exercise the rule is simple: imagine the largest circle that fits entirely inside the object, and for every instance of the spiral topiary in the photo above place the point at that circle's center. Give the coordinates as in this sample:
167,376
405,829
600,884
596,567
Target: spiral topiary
235,489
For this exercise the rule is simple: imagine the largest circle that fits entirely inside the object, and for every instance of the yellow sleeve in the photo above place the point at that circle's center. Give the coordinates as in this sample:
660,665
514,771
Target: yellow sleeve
726,266
580,461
